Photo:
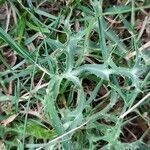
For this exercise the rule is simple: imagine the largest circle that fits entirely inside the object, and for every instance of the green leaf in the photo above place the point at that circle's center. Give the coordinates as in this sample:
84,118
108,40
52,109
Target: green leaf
97,5
5,98
112,36
37,28
94,92
43,13
31,39
21,26
96,69
50,99
118,9
2,1
24,53
34,129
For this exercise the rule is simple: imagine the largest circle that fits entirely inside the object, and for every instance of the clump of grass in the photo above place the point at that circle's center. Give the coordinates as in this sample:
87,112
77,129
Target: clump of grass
46,99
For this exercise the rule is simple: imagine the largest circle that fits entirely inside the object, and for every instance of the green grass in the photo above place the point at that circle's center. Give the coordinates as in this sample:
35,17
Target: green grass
73,85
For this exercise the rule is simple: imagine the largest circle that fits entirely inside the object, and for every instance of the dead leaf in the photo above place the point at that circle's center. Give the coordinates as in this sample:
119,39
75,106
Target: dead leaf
10,88
2,146
8,120
2,12
9,55
2,68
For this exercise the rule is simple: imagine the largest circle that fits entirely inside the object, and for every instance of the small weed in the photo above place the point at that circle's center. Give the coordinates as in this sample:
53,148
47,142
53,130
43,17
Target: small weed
74,75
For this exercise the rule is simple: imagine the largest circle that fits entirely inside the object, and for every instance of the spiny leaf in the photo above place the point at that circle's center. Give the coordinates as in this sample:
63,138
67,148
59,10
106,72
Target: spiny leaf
98,70
50,99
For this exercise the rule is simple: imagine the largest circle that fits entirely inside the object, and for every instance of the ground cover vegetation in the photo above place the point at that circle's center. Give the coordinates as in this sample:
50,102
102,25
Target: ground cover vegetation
74,74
